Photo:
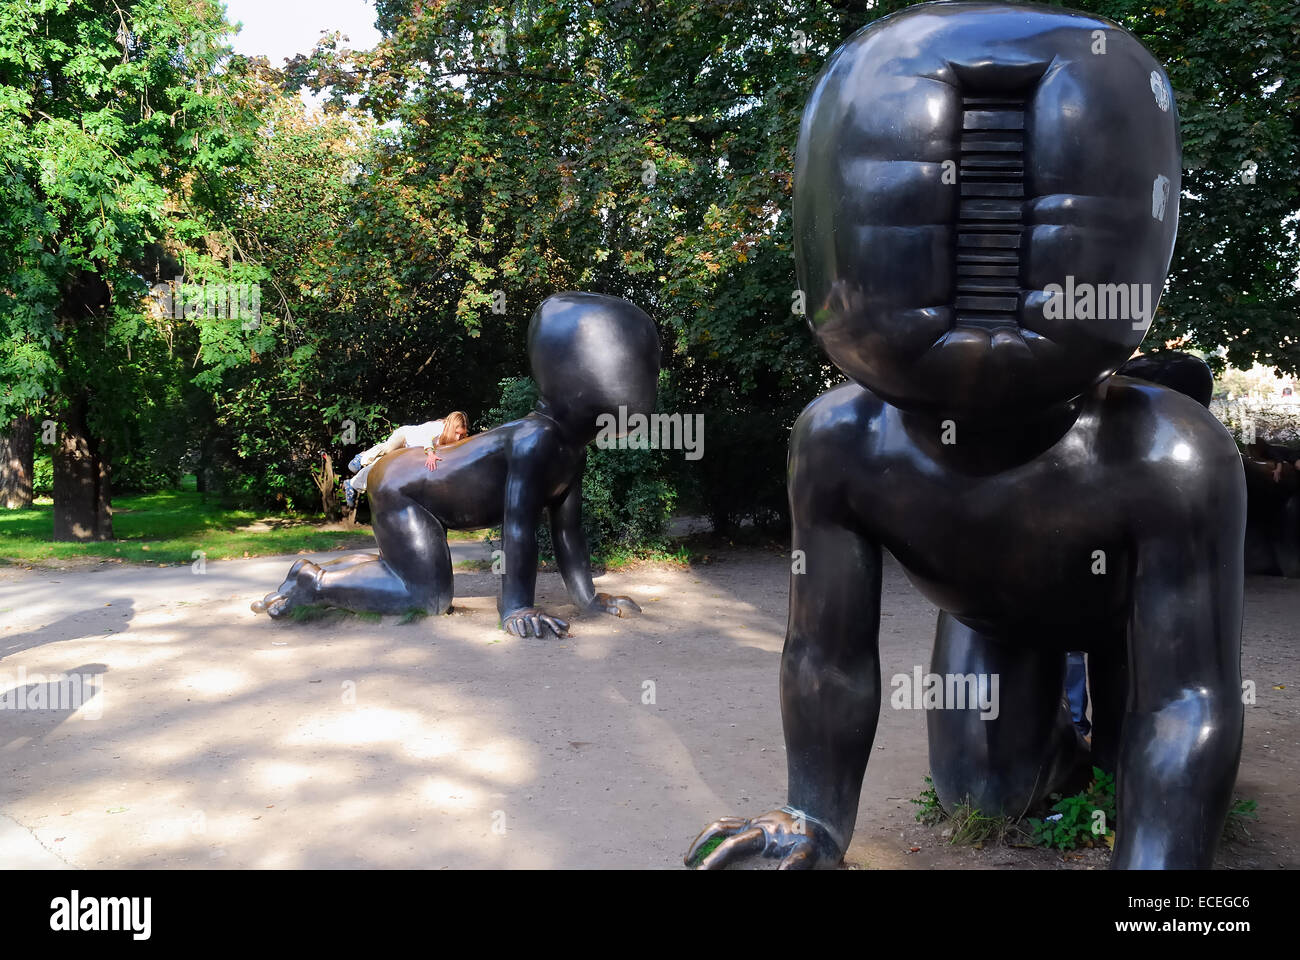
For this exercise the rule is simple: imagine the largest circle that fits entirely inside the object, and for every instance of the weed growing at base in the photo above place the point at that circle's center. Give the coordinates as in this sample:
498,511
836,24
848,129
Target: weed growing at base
1076,823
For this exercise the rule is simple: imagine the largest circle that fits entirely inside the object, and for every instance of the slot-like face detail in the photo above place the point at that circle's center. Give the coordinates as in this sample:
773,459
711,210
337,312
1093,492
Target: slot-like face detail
991,185
986,199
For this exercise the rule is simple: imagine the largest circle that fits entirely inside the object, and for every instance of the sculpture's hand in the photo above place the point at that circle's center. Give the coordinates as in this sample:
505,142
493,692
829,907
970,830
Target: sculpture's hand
533,622
799,841
614,606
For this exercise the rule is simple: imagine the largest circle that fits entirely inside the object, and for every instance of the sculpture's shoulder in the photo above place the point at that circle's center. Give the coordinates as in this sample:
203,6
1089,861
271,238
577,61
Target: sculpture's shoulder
835,435
530,434
1171,437
540,453
1166,423
838,417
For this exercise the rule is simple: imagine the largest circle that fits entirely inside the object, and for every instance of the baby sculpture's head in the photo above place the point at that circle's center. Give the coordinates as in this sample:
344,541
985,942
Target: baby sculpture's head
590,355
985,205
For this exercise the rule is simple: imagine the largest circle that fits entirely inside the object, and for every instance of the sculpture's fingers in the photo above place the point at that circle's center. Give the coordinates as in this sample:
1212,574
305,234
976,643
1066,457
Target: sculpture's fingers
513,627
743,844
718,828
627,607
558,627
535,624
800,858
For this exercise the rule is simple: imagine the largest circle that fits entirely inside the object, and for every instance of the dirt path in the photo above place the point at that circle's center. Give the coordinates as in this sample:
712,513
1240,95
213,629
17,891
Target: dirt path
218,738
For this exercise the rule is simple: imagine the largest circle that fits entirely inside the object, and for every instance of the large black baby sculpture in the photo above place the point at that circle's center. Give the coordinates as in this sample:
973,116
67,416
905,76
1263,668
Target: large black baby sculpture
589,355
971,183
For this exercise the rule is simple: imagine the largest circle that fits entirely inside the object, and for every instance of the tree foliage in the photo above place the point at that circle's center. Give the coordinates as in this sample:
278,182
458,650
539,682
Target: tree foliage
114,126
483,156
1235,73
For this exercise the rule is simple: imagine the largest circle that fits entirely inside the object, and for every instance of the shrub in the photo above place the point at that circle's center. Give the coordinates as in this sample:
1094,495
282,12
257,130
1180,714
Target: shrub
1074,821
627,495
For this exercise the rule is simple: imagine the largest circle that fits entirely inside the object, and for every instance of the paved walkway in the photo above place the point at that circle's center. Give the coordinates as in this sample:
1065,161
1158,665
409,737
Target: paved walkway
211,736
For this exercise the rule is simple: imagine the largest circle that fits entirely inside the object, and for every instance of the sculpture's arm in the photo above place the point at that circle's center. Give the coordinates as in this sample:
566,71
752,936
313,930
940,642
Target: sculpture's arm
523,504
830,667
830,679
1181,739
573,558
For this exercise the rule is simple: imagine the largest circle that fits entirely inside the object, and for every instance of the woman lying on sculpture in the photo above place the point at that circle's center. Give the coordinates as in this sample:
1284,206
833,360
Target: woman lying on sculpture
430,435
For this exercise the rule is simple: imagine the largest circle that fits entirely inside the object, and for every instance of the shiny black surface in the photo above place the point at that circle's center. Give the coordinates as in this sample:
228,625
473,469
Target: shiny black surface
589,354
1041,502
1179,371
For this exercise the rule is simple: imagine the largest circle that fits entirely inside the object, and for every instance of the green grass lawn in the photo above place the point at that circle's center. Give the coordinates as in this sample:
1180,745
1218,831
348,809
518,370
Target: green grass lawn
168,527
164,528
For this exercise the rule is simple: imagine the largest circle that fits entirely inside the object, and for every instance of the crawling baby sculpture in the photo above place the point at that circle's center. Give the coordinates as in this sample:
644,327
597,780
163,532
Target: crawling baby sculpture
589,355
959,167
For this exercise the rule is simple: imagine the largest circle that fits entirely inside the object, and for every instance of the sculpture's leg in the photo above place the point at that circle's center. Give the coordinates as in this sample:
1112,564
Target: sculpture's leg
1108,677
351,560
1182,736
411,571
1005,757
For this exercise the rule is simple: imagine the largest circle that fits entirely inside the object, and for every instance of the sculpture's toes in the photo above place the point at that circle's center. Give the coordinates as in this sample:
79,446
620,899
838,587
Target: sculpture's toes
279,606
274,605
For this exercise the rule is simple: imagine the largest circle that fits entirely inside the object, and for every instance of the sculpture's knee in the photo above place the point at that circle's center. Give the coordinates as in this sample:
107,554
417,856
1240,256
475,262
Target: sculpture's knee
1004,772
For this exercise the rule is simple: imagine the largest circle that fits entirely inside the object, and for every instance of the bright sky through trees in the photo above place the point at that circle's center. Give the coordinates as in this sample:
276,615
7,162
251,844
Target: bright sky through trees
279,29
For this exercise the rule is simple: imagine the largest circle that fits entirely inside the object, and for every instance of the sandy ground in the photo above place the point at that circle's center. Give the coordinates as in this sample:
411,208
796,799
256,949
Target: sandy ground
217,738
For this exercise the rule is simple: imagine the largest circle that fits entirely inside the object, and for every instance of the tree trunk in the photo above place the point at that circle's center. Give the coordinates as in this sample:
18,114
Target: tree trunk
201,470
326,483
81,471
350,513
16,451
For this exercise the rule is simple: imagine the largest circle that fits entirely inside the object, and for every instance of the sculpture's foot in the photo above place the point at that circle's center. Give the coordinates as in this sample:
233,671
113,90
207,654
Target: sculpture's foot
533,622
298,590
614,606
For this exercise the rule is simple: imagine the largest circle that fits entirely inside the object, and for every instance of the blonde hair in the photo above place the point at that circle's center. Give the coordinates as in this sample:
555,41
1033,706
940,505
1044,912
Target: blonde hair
451,423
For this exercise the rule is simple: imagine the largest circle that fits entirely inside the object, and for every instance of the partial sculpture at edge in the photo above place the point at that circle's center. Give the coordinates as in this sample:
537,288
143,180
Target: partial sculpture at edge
589,355
1044,504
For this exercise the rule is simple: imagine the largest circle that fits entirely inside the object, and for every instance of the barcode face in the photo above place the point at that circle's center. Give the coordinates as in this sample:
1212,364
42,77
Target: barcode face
991,178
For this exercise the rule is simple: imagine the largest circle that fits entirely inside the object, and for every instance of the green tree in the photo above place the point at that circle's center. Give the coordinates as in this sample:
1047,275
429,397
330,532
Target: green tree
639,150
1236,78
492,153
115,132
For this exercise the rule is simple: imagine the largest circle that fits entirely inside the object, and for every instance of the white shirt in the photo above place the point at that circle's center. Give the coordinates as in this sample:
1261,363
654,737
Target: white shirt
423,435
410,435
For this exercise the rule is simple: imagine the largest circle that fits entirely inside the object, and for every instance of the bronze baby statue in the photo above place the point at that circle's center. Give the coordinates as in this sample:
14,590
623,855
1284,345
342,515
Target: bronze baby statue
986,199
589,355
